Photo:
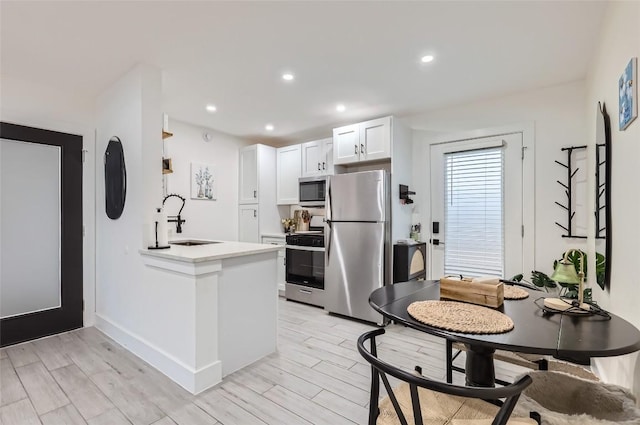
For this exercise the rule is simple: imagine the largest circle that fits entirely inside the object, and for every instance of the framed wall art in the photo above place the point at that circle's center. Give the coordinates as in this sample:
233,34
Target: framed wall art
628,94
203,183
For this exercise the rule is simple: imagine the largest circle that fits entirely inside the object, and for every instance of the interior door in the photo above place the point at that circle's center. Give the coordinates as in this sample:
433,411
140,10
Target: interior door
40,233
446,251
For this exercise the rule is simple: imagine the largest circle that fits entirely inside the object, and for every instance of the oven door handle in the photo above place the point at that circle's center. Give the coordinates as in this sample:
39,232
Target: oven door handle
305,248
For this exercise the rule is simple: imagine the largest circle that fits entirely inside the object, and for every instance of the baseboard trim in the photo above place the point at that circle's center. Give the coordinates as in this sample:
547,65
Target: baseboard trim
192,380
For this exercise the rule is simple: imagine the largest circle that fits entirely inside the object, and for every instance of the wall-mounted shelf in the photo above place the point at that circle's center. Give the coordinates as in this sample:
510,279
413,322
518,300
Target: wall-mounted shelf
167,166
404,194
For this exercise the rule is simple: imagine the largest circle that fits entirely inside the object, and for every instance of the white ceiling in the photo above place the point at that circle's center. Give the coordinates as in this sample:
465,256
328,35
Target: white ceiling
363,54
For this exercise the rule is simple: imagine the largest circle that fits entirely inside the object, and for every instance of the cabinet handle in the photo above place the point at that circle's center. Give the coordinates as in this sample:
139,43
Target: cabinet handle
255,193
323,165
361,148
318,166
305,291
255,213
356,151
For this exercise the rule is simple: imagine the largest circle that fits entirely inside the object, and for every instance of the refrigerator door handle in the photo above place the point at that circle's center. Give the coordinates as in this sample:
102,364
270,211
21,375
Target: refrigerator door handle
328,201
327,220
327,233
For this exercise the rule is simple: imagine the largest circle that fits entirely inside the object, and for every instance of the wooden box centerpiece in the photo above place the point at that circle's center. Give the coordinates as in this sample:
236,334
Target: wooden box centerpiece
487,291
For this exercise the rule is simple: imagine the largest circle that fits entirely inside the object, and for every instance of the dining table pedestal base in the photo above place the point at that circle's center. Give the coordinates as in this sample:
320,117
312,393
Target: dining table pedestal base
479,366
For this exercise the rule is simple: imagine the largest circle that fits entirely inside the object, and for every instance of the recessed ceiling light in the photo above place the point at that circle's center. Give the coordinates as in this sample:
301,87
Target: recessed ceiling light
426,59
341,108
211,108
269,127
287,76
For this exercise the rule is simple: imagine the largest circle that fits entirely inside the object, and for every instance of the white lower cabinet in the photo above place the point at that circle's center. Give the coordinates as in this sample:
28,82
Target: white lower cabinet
282,266
249,230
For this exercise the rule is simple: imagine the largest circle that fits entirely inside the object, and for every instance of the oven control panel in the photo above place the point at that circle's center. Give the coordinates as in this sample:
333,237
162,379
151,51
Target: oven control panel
306,240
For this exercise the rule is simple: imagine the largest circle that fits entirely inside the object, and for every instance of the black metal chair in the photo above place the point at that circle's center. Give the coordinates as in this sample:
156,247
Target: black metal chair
423,399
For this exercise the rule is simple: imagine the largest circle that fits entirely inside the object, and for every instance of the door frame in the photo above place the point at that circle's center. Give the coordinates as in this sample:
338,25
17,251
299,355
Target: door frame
527,129
70,313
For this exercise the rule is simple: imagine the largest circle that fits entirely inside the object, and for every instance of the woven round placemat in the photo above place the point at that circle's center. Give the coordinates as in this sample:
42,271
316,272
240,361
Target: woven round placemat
460,317
514,293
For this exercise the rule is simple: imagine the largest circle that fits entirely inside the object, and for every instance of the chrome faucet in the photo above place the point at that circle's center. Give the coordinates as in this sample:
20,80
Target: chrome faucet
175,218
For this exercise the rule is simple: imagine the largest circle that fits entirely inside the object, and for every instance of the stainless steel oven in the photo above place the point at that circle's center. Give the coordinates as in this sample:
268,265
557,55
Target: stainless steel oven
312,191
305,268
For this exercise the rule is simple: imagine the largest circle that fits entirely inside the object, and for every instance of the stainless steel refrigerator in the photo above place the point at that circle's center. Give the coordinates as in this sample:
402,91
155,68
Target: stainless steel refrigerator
357,242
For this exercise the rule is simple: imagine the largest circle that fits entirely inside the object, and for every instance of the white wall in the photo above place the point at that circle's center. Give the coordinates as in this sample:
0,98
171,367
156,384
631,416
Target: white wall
129,109
205,219
558,116
25,103
618,42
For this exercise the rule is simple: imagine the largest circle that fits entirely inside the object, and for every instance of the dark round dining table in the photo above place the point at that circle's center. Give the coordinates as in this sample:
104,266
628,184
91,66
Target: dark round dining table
560,335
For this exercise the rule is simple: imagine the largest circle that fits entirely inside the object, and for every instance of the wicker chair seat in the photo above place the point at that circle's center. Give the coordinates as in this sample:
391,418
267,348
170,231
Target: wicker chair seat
442,409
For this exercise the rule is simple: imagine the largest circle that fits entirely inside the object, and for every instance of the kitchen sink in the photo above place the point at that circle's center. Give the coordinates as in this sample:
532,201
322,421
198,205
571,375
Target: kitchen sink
189,242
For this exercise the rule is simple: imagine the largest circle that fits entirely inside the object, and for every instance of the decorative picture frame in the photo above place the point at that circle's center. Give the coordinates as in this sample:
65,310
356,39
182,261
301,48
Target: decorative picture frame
203,182
628,94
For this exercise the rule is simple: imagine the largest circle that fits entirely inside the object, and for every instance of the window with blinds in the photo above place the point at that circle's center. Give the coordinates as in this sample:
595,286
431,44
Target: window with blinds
474,212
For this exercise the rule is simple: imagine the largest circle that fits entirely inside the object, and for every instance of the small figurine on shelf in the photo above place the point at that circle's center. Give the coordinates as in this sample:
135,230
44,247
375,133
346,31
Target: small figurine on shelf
415,232
288,223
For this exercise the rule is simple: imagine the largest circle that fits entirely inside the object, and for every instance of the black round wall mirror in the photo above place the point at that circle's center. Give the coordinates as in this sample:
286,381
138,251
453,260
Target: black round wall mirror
603,220
115,178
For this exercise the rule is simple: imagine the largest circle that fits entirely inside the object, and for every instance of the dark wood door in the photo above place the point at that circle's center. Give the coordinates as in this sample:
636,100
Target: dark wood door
30,322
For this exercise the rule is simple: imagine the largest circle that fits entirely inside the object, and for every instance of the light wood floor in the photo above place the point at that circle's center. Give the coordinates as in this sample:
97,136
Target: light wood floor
316,377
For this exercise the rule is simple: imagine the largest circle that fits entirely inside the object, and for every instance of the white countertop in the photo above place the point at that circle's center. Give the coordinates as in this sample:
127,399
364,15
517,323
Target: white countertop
274,235
216,251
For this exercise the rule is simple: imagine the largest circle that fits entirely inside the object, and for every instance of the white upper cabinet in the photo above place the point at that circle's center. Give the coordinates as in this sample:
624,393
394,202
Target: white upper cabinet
288,165
366,141
317,158
249,175
346,144
311,158
327,150
375,139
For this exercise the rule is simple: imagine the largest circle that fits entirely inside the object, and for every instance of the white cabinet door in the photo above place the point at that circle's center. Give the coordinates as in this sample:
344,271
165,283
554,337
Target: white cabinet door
327,157
288,166
346,144
281,258
248,175
249,231
375,139
312,158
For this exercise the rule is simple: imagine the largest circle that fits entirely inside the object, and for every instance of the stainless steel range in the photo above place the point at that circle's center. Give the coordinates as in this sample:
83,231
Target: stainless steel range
305,267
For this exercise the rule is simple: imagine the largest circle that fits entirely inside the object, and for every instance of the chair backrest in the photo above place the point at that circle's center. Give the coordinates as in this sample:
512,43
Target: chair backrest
380,369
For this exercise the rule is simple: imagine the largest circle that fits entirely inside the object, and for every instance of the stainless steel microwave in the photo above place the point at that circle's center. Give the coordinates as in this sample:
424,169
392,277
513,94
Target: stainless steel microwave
312,191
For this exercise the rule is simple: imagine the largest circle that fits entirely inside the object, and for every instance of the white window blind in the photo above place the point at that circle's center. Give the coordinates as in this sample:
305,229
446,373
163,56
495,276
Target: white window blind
474,216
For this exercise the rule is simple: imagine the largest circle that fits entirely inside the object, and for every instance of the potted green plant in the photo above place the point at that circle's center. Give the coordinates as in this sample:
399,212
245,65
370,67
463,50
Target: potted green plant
542,280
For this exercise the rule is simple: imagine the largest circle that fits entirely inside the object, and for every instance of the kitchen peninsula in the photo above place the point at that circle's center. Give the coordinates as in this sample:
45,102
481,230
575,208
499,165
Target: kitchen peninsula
216,308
